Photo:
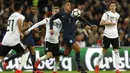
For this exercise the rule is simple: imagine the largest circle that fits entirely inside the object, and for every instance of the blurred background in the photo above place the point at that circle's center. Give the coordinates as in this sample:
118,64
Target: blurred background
92,10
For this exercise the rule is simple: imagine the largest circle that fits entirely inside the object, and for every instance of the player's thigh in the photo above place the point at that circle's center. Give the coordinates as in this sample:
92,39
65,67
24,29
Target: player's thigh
20,48
48,47
115,43
4,50
55,49
106,42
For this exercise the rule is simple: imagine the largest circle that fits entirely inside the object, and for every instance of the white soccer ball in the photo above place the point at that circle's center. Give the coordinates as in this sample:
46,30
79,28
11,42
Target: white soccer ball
76,12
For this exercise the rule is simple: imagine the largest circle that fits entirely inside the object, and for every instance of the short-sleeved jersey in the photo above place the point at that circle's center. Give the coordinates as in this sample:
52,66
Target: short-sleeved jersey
111,31
12,36
57,28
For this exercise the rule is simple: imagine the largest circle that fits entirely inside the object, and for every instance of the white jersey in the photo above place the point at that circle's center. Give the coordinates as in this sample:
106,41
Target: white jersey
12,36
48,37
111,31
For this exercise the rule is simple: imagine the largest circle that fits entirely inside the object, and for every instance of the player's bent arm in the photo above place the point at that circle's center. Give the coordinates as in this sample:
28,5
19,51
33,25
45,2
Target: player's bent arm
20,25
19,22
103,23
38,24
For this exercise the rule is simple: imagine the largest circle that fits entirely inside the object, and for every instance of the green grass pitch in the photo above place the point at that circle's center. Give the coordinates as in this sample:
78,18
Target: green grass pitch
71,72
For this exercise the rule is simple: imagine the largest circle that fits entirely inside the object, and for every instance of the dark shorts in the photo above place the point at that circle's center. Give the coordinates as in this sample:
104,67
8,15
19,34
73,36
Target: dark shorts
50,47
107,41
19,48
69,41
28,40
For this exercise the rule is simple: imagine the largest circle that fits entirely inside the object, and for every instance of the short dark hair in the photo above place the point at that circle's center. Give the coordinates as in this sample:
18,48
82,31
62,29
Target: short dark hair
112,3
66,1
17,6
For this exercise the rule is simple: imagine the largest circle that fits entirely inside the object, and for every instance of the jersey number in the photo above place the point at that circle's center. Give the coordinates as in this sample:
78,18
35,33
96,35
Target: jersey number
10,25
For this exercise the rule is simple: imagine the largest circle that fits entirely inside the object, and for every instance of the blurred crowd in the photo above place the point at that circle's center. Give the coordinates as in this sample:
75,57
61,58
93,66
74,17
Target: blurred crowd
92,10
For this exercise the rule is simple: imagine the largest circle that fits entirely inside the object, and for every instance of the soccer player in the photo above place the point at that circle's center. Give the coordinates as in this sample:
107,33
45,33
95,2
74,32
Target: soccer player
27,40
69,28
109,20
13,36
51,41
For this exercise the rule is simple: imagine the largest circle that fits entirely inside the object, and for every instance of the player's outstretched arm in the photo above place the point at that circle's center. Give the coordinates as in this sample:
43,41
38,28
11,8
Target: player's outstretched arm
44,21
19,22
57,15
86,22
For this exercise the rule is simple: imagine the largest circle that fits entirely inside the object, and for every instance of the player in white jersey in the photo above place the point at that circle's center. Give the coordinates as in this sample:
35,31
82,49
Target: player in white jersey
110,20
51,41
13,36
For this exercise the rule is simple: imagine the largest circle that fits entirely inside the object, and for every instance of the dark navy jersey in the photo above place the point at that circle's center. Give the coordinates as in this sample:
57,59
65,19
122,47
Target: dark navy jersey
68,23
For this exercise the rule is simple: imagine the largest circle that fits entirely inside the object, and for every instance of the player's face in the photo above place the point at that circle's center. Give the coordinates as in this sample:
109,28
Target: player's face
33,10
55,11
112,6
68,7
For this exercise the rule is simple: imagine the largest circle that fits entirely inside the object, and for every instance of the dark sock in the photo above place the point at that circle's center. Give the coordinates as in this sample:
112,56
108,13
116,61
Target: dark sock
12,57
61,52
77,57
33,59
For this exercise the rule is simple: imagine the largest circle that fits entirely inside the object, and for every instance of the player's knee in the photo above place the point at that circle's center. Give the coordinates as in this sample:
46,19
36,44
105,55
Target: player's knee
104,51
49,54
32,51
66,53
116,50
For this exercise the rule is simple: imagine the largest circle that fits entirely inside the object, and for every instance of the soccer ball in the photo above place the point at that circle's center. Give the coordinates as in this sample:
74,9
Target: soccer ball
76,12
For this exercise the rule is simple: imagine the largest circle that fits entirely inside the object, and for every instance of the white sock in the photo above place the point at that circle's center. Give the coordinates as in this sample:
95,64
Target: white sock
23,60
101,55
43,57
117,59
56,65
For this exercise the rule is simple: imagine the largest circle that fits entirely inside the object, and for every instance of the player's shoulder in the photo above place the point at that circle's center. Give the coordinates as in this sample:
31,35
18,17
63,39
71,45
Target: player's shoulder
117,14
19,16
107,12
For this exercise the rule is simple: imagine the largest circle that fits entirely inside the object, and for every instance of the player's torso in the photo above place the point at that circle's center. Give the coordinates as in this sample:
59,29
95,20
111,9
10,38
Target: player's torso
111,31
68,24
12,36
56,27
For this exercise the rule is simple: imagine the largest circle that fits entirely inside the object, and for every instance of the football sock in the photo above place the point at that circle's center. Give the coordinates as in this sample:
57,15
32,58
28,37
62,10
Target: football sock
33,59
23,60
77,57
43,57
101,55
56,65
117,59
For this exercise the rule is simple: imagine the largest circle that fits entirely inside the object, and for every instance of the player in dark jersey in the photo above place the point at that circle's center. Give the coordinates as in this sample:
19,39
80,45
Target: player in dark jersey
69,28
